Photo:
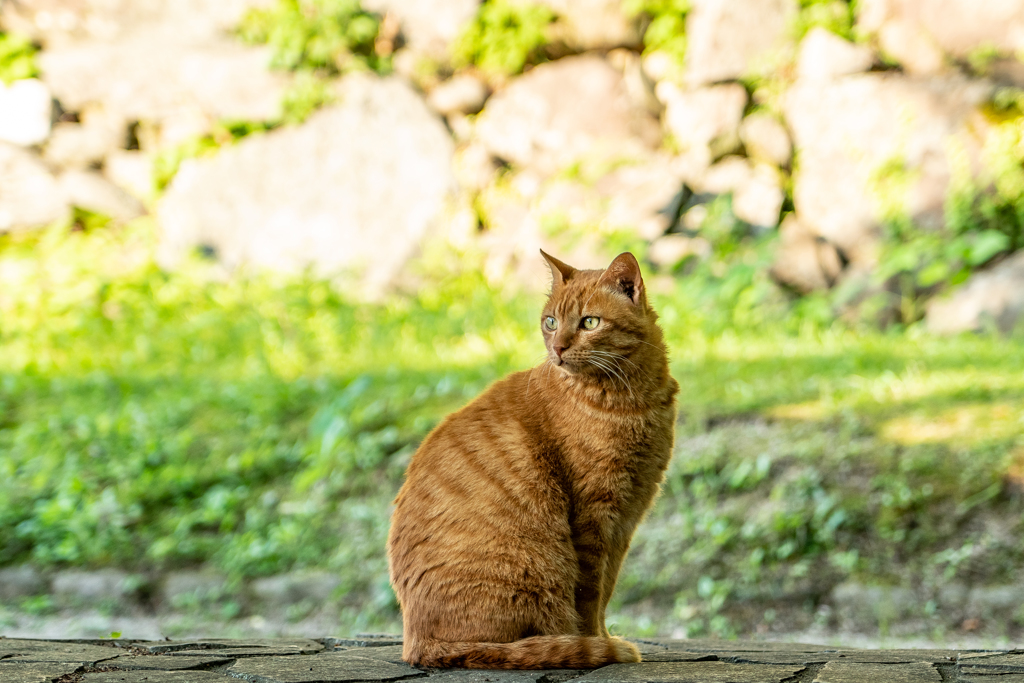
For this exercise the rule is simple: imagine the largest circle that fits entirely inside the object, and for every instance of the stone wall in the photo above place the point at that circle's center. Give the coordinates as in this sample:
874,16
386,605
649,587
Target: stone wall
795,124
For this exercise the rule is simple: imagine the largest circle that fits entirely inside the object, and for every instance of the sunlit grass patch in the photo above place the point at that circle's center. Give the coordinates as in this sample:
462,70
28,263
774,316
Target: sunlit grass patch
968,424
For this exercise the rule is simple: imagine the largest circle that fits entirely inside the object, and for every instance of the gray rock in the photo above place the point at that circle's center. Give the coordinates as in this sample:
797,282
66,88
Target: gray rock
845,131
35,673
917,34
729,39
757,191
991,297
1005,678
564,110
374,640
59,22
131,171
803,260
866,607
669,250
338,667
844,672
93,587
463,94
26,108
317,195
766,140
182,589
999,602
73,145
704,122
155,76
286,589
594,24
691,672
428,26
824,55
91,191
21,582
30,196
475,167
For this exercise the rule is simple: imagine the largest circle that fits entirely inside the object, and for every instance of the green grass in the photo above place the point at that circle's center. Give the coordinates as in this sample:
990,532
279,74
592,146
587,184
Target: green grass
153,421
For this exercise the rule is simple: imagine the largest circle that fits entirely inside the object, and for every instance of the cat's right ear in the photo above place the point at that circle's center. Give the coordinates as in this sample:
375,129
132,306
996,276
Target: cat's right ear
560,272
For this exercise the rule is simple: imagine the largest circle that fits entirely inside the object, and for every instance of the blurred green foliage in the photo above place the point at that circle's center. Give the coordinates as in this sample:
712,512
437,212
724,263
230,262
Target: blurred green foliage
666,25
333,36
984,218
17,58
503,38
837,16
151,420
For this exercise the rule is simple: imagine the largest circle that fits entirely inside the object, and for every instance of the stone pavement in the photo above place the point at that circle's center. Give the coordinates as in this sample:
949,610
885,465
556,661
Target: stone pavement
378,659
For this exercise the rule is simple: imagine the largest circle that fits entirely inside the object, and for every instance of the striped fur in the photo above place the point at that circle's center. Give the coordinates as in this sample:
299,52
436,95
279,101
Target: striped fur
517,510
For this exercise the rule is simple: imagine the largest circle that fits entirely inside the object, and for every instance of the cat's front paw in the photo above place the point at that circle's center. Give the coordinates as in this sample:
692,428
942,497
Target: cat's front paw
625,651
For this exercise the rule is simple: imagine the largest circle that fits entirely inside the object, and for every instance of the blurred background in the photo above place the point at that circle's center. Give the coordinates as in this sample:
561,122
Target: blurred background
251,251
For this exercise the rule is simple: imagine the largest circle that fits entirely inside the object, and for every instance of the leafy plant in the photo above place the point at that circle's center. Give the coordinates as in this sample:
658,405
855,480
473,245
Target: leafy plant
167,161
835,15
17,58
666,25
504,37
333,36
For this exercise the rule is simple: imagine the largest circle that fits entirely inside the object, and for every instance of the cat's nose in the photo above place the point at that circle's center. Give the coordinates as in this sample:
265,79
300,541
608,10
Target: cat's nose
559,350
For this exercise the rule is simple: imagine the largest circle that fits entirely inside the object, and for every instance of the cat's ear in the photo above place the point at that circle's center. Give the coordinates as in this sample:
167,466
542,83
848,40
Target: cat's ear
624,273
560,272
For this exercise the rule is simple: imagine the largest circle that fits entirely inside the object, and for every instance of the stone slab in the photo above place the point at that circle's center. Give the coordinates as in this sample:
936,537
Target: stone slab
384,653
897,656
1005,678
35,673
678,656
854,672
156,677
364,641
991,664
298,645
240,652
320,668
691,672
714,645
50,651
488,676
165,662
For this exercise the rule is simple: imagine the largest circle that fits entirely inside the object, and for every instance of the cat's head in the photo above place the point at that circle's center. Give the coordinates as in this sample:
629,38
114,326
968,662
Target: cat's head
595,320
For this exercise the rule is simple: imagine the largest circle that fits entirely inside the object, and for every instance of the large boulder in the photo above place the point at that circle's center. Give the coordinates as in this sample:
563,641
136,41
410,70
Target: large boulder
30,196
154,60
428,26
594,24
732,38
355,188
849,130
563,110
991,298
704,122
919,33
26,108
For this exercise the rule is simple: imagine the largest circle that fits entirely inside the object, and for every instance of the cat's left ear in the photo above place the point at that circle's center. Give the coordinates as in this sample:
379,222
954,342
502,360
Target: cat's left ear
624,273
560,272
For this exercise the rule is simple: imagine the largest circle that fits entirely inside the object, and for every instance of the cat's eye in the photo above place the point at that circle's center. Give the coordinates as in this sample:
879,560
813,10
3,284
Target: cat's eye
590,322
550,323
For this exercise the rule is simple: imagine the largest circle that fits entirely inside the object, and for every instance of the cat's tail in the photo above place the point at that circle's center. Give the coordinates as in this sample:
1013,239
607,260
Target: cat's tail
535,652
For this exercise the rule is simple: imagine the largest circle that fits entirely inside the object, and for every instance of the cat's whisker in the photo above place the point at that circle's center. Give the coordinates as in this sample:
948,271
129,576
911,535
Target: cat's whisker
613,371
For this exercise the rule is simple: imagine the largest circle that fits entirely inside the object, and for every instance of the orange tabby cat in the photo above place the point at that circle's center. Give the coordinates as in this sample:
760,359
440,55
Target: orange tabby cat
517,510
